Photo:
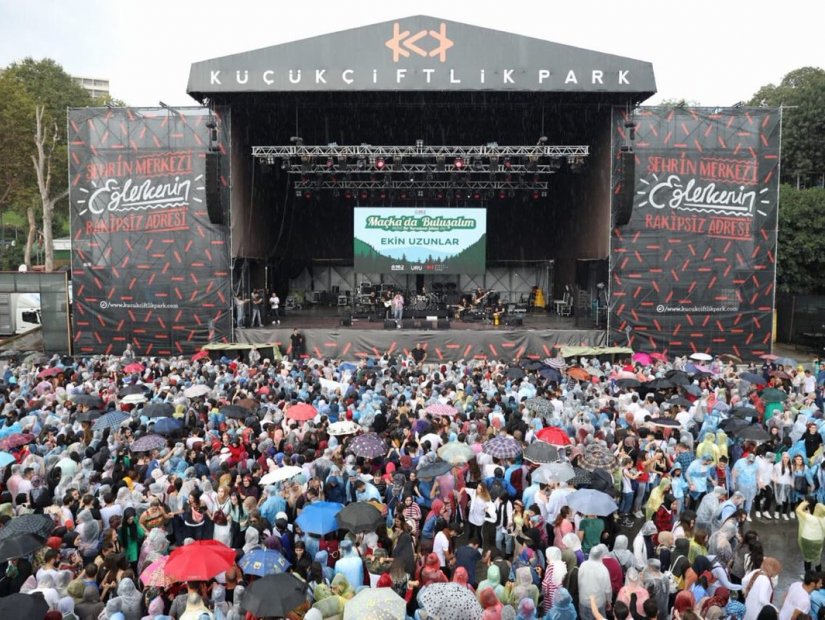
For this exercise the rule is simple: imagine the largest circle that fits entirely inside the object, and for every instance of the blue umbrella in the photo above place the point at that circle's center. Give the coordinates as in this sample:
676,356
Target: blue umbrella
263,562
319,518
347,366
6,459
550,373
167,426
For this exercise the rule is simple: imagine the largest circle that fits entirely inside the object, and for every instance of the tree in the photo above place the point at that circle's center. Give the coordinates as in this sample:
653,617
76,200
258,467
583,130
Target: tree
15,166
801,243
51,91
802,93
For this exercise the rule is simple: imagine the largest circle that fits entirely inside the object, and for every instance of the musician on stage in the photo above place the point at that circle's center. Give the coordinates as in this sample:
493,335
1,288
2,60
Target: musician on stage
479,296
398,307
462,308
498,312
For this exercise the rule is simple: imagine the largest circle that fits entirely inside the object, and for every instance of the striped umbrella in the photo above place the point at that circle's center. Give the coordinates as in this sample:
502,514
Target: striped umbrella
154,575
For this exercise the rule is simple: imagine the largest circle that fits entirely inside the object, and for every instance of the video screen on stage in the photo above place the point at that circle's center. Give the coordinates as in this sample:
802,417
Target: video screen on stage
420,240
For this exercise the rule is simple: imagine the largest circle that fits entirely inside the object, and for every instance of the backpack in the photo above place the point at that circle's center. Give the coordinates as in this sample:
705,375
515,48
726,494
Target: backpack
497,489
517,480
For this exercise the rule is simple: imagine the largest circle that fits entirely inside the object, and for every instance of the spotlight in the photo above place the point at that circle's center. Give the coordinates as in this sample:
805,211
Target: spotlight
284,164
270,160
308,195
419,144
361,163
330,162
501,194
458,163
348,195
507,163
297,140
298,193
535,194
380,163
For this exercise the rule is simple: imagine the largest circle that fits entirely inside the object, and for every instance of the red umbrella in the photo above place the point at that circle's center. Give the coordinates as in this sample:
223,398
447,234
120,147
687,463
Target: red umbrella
199,561
769,357
50,372
302,412
658,356
263,390
133,367
553,435
200,355
16,440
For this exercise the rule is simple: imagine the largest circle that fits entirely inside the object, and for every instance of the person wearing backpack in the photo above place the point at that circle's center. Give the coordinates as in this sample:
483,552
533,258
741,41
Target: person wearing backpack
759,587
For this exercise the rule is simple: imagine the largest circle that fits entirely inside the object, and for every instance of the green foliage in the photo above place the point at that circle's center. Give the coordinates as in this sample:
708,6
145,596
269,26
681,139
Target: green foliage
801,240
16,130
802,92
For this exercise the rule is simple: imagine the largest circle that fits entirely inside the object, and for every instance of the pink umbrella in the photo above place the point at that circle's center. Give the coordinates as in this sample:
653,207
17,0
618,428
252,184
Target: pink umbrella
439,409
301,411
154,575
642,358
133,367
659,356
625,374
701,368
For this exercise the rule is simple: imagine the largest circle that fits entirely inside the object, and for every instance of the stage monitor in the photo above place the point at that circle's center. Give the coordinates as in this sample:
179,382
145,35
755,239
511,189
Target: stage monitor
420,240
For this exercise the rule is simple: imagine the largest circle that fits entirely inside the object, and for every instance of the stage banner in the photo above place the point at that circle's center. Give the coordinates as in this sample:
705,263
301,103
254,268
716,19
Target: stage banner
148,267
413,240
694,269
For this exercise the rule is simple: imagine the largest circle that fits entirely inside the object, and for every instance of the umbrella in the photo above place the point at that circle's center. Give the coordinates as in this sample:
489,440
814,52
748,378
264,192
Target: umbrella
6,459
155,575
532,365
628,383
24,606
359,517
439,409
553,435
643,358
556,362
592,502
376,604
132,389
450,601
550,374
541,452
87,400
196,391
731,425
15,440
772,395
743,412
660,384
280,474
50,372
19,546
752,432
39,526
699,369
319,518
603,481
581,477
199,561
693,390
701,357
302,412
769,357
343,427
680,401
158,410
167,426
90,415
274,595
456,452
552,472
664,422
200,355
578,373
502,447
786,361
781,374
248,403
433,470
730,357
263,390
368,446
236,412
542,406
262,562
752,377
35,359
134,399
148,443
133,367
514,372
597,456
658,356
679,377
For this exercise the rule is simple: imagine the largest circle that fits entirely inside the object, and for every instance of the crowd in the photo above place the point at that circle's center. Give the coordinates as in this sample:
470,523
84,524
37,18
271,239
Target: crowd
394,487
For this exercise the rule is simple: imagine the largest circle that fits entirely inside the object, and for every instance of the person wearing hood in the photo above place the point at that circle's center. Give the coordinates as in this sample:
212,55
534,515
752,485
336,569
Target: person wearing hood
350,564
493,581
643,545
678,486
633,585
235,612
657,498
554,575
90,607
594,580
811,526
745,476
623,555
657,585
112,610
196,609
88,539
562,608
697,476
523,587
709,508
154,609
130,599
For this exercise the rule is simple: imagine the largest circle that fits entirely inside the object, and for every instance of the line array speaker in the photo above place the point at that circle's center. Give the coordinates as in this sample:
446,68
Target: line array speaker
624,200
212,183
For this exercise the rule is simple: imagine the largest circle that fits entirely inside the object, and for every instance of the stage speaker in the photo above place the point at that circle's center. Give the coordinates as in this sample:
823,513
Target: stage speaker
408,324
624,201
443,324
390,324
212,184
514,320
346,321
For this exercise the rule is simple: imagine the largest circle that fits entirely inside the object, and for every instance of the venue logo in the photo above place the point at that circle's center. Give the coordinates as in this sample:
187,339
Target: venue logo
402,43
679,194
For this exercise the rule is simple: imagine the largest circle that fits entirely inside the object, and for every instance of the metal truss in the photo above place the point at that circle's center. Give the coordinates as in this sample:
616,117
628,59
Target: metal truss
327,184
419,169
368,151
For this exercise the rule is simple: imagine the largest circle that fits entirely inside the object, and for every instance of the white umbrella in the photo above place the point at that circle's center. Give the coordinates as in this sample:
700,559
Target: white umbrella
280,474
344,427
553,472
701,357
196,390
133,399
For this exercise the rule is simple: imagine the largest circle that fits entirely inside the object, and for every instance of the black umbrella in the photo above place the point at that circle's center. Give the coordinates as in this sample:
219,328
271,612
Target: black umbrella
541,452
679,400
732,425
679,377
436,468
158,410
602,480
664,422
550,373
514,372
88,416
628,383
236,412
19,546
582,478
40,526
24,606
131,389
743,412
87,400
660,384
752,377
533,365
274,595
359,517
752,432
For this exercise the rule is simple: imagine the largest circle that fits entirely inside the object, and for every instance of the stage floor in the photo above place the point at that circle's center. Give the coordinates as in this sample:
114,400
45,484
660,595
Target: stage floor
326,337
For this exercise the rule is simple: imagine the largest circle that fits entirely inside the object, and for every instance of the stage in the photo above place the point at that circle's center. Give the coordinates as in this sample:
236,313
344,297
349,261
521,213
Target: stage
326,337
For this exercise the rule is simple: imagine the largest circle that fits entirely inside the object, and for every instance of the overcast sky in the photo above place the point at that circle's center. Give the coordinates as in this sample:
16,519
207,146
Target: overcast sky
713,52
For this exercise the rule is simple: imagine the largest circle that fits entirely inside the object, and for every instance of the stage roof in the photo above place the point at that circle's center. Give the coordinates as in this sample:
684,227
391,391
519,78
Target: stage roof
422,53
